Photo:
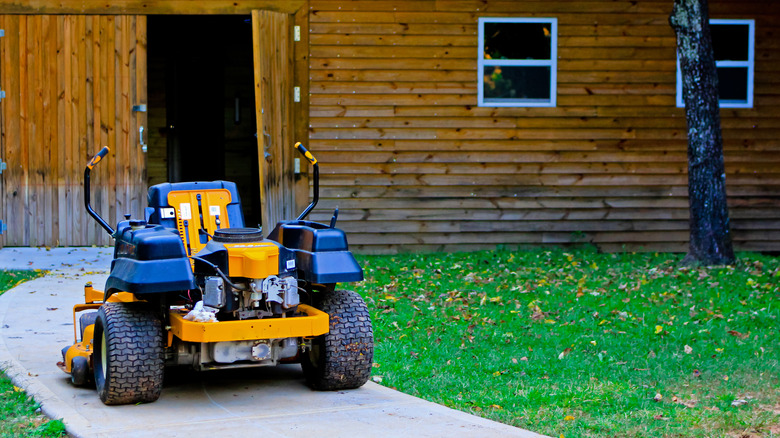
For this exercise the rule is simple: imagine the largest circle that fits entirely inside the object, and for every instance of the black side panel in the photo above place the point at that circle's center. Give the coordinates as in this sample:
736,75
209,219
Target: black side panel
150,277
328,267
149,260
321,253
309,236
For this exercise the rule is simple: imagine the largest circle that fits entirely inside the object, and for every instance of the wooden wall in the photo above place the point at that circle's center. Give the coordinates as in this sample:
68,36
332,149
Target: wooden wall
70,82
414,164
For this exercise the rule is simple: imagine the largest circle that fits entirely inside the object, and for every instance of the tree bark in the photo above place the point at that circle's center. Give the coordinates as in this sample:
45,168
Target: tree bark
710,238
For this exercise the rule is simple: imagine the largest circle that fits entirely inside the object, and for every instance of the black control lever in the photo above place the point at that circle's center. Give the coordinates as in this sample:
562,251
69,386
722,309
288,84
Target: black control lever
96,159
316,177
334,218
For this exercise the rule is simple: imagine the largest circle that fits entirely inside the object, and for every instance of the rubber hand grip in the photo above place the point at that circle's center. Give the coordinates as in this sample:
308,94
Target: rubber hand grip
99,156
306,153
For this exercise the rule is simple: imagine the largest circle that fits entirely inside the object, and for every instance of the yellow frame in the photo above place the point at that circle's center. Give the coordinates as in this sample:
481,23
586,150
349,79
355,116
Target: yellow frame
315,323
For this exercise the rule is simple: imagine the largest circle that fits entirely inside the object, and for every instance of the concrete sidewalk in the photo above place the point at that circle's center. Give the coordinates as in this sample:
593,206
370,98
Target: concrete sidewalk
36,322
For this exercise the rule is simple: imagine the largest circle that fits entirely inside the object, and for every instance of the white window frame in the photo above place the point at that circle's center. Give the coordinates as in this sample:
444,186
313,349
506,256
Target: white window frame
750,64
552,63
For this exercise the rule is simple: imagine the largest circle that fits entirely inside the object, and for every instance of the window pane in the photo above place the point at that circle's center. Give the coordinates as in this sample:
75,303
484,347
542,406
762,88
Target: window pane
732,83
516,83
730,41
517,40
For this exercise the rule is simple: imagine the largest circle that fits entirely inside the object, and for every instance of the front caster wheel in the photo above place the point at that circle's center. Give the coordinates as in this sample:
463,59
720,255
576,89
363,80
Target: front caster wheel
341,358
79,371
128,356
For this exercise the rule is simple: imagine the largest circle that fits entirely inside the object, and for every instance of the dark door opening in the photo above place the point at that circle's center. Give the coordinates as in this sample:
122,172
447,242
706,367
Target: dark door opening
201,103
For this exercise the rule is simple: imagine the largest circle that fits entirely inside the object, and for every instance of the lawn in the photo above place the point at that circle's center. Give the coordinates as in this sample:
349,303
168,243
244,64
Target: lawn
576,343
19,416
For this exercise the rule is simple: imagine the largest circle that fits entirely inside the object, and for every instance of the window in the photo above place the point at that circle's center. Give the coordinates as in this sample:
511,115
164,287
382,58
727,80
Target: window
733,42
517,61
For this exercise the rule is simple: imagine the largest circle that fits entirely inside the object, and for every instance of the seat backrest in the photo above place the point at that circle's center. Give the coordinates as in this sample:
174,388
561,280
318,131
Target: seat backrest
191,206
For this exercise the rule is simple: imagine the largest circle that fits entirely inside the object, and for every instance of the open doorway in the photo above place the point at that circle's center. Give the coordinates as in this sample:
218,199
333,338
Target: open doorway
202,122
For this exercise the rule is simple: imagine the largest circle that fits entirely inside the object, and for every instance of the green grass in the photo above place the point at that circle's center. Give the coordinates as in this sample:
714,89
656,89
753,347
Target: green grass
18,416
581,344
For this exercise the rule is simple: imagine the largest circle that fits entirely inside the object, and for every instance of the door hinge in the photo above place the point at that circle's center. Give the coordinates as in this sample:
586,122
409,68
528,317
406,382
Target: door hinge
2,32
3,227
296,33
296,94
139,108
3,166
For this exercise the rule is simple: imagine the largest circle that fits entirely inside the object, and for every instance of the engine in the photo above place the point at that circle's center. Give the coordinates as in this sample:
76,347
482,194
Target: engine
242,276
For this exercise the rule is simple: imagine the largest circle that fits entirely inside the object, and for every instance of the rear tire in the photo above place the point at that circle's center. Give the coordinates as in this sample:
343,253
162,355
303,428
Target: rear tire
128,354
341,358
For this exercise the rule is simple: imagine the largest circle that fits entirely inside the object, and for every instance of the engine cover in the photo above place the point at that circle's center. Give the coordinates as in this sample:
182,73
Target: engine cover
233,252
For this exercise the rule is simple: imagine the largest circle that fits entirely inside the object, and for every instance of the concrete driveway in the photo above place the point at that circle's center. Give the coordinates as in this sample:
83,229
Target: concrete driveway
36,322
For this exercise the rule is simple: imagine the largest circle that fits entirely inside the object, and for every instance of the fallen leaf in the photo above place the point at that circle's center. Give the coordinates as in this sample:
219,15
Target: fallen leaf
376,379
659,417
739,402
658,397
514,360
738,334
696,373
51,308
658,329
17,389
524,359
496,406
568,418
651,354
564,353
688,349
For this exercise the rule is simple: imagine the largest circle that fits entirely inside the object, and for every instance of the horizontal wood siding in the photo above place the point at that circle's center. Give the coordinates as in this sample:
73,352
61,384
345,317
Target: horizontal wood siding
70,83
414,164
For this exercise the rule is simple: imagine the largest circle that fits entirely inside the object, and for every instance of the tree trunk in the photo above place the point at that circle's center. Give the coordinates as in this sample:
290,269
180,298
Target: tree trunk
710,241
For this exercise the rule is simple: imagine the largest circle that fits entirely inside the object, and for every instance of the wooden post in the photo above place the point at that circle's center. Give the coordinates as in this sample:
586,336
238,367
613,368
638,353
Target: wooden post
273,109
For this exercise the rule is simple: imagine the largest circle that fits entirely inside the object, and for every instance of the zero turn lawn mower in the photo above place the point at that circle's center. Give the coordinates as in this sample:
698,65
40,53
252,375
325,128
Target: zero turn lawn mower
190,285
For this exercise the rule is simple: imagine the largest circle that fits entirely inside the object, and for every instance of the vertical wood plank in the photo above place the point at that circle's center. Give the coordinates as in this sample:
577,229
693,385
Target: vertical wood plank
10,77
95,104
273,70
121,131
53,37
35,96
61,194
3,126
257,41
110,211
82,135
65,124
141,98
301,109
134,149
